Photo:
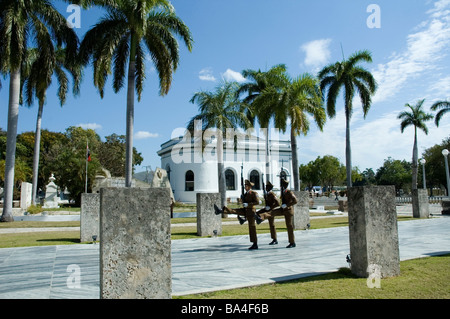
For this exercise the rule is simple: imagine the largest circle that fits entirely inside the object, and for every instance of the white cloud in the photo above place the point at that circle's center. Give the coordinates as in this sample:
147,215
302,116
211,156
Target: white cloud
92,126
231,75
317,52
424,49
206,74
140,135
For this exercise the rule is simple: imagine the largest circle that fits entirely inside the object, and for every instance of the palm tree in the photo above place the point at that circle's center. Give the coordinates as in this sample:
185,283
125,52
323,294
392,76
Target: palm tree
37,74
221,110
129,31
353,79
417,117
21,22
258,82
443,107
301,96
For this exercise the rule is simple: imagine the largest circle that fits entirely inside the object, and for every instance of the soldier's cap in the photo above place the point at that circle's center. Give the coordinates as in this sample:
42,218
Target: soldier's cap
247,182
269,185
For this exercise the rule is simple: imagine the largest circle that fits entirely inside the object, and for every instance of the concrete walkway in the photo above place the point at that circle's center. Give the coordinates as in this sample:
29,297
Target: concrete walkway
206,264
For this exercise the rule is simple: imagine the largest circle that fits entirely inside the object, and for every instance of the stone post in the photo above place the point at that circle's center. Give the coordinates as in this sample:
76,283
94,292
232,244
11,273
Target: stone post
90,217
25,195
373,231
207,220
301,210
420,205
135,247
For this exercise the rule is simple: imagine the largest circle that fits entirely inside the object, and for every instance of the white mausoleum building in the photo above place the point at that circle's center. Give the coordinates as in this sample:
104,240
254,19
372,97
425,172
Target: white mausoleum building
191,164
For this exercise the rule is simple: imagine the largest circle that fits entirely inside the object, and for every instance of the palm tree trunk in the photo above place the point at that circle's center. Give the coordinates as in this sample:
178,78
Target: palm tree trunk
295,167
13,116
221,169
130,114
348,151
414,161
37,147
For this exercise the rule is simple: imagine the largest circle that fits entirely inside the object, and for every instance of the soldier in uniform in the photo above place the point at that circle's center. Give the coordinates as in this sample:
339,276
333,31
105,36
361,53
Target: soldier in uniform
288,200
249,201
271,203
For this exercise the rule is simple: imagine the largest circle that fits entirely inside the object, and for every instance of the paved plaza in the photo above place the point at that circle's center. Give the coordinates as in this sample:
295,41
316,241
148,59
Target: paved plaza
207,264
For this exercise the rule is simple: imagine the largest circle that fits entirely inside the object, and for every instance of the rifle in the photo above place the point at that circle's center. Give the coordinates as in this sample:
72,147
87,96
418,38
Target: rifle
264,189
242,183
244,218
281,186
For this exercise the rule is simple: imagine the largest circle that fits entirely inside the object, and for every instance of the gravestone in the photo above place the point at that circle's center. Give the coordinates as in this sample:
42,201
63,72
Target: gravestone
343,205
373,231
135,248
208,223
90,217
420,205
51,194
301,210
25,195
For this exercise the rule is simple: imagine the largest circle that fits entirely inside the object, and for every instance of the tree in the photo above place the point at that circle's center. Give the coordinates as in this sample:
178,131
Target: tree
353,79
394,172
417,118
131,31
435,165
443,107
20,23
299,97
111,154
37,79
254,100
221,110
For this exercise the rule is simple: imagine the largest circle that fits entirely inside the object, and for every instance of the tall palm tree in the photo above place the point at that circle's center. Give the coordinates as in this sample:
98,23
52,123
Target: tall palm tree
417,118
129,31
221,110
353,79
37,74
298,99
20,23
443,107
258,81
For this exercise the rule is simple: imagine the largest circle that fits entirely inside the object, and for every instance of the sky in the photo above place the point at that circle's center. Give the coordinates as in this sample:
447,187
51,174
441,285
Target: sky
409,42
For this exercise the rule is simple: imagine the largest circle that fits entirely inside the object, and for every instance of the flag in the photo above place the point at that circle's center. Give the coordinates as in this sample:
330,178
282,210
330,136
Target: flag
88,154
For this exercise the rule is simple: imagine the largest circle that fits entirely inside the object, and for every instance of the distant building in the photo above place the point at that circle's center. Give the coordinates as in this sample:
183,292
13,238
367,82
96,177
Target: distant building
191,169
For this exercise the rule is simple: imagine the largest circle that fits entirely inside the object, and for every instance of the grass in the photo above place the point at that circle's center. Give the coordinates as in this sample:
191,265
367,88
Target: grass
422,278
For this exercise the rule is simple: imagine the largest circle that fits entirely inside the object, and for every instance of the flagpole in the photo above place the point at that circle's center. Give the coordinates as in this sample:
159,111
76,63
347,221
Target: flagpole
86,158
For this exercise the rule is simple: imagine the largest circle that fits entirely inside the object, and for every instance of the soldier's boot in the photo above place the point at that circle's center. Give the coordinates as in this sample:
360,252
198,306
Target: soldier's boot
258,219
218,210
242,220
273,242
291,245
254,246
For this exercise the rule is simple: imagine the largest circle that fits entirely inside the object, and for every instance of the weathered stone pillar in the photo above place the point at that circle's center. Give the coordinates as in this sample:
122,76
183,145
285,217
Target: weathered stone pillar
373,231
135,247
90,216
420,205
301,210
208,223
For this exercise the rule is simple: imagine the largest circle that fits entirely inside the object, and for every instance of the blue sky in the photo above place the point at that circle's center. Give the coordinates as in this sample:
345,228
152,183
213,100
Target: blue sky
411,61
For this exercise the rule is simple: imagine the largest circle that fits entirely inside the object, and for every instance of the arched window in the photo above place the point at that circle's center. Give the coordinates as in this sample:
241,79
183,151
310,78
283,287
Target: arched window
230,180
255,179
189,181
